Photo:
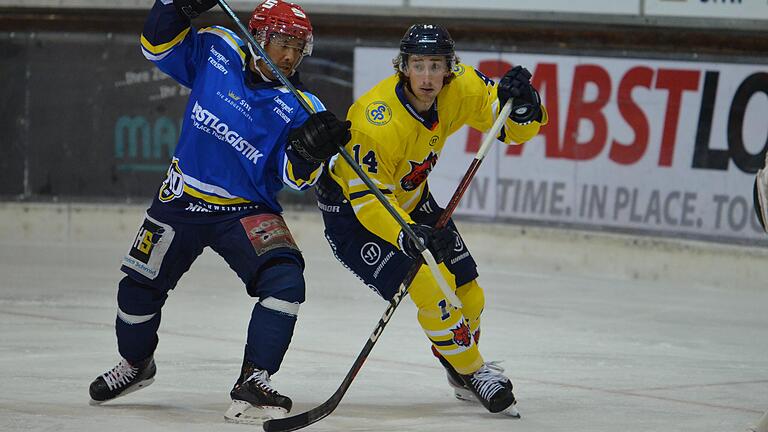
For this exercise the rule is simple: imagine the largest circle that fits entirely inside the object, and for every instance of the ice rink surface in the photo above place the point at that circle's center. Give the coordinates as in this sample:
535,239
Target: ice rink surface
598,333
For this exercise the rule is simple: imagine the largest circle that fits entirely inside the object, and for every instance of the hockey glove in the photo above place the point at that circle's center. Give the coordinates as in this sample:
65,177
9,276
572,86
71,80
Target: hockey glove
440,242
526,102
319,137
193,8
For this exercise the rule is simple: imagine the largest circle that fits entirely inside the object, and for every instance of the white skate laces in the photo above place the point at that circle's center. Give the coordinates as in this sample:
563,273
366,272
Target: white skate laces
120,375
488,380
261,378
254,401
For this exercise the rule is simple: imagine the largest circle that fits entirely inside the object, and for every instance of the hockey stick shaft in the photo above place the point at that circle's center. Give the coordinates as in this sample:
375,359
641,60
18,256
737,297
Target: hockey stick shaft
318,413
425,253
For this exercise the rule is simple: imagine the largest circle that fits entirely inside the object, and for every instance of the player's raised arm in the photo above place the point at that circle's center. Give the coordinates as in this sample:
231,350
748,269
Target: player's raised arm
170,41
527,115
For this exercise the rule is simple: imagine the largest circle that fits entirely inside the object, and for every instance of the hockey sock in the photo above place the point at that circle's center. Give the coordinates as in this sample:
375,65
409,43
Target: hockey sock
138,318
473,298
281,291
446,327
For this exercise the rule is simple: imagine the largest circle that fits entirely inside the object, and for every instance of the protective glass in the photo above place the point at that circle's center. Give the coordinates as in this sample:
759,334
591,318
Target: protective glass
287,41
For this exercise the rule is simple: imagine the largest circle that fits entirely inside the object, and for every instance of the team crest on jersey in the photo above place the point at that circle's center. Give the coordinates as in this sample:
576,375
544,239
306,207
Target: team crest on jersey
378,113
459,69
173,185
419,172
462,335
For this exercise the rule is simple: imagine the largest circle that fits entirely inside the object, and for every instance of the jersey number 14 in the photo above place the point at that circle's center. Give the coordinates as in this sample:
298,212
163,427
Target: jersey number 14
369,160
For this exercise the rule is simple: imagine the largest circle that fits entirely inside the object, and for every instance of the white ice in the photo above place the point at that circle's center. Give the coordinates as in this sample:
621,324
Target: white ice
597,332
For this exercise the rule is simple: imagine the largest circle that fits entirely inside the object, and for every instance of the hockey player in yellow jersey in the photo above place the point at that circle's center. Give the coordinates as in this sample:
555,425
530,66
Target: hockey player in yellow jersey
398,130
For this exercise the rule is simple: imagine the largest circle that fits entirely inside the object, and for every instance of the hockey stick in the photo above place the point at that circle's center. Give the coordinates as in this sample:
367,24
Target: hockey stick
425,253
318,413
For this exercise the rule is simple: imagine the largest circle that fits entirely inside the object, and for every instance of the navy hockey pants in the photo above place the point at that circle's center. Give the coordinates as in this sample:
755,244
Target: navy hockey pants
380,264
257,245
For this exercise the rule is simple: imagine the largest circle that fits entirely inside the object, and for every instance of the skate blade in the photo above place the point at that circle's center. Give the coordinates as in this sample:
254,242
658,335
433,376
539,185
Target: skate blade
511,411
131,389
465,395
242,412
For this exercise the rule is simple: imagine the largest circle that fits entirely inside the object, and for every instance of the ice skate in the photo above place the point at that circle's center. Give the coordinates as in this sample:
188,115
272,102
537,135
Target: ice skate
122,379
254,401
460,390
492,389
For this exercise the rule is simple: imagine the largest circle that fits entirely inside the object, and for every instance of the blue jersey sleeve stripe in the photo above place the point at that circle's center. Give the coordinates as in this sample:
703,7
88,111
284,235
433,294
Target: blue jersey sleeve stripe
313,101
316,104
356,195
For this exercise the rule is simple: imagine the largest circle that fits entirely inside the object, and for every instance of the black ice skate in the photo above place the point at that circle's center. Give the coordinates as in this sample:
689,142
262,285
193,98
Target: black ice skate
254,401
460,390
122,379
492,389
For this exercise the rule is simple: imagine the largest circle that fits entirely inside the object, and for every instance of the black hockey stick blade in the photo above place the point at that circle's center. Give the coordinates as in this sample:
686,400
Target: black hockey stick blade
304,419
322,411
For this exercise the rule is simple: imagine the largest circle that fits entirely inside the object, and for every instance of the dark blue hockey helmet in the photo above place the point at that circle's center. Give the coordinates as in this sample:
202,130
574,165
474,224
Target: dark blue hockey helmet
426,39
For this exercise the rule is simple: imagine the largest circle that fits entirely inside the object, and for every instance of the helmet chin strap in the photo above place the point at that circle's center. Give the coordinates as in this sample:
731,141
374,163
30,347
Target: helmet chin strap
255,58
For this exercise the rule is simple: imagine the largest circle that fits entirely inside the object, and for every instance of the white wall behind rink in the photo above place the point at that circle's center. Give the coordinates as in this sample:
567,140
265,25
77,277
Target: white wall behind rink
539,249
631,145
740,15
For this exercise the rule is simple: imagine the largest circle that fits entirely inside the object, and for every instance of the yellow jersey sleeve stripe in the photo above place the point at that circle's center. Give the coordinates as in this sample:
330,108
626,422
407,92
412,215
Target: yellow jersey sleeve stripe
212,198
158,49
295,182
228,37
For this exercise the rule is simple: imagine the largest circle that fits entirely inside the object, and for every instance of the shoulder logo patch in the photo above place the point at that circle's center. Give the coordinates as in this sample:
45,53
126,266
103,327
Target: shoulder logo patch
459,69
378,113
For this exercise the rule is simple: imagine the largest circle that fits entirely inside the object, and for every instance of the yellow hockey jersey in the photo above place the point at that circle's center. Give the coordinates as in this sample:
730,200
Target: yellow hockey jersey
398,148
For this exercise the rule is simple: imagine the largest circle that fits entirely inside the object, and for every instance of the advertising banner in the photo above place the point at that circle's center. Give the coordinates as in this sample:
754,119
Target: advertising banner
746,9
105,125
636,145
624,7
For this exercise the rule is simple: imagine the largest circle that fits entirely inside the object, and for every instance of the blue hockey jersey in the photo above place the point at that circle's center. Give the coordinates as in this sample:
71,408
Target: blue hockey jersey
231,153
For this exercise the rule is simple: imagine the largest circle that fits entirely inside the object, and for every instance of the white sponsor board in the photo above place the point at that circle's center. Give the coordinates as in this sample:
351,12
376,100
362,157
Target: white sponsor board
624,7
365,3
637,144
747,9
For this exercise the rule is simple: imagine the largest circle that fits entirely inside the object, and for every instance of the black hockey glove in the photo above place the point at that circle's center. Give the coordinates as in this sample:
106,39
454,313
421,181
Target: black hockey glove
193,8
319,137
526,102
440,242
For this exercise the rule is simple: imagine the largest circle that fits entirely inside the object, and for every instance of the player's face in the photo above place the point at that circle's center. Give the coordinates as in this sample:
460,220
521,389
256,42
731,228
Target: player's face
426,74
285,52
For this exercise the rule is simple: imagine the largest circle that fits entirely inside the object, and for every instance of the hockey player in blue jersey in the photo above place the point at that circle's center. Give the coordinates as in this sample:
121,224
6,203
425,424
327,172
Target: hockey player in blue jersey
220,192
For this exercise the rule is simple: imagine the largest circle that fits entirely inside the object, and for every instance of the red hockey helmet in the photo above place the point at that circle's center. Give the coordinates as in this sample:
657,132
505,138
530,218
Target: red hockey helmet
280,17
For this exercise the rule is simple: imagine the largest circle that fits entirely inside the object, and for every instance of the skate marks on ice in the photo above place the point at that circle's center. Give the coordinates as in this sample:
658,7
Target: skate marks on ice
585,352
